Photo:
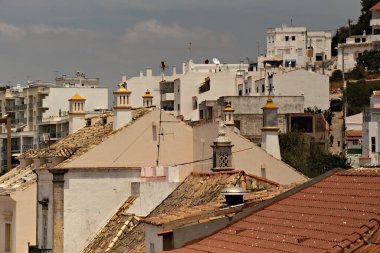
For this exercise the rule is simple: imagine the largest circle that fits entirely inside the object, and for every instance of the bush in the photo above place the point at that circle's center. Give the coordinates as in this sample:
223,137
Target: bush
357,73
336,76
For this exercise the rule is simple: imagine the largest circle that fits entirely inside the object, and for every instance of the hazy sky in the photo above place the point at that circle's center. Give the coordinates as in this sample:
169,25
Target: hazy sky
104,38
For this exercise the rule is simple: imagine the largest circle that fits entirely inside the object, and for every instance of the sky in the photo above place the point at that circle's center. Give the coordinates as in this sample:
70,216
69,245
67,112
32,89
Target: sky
105,38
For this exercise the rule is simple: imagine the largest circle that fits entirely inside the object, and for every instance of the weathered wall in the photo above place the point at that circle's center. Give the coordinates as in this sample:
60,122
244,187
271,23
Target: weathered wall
90,199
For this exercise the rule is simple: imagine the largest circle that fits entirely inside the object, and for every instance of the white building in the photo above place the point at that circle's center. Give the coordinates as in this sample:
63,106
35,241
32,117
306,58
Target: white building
371,132
295,46
39,111
356,45
313,86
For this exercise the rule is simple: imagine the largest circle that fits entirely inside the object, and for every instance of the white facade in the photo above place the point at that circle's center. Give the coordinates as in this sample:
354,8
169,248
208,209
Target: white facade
92,196
290,45
356,45
43,108
371,133
313,86
181,93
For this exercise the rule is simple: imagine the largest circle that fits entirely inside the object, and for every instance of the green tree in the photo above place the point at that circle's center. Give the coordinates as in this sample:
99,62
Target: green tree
364,18
369,59
301,152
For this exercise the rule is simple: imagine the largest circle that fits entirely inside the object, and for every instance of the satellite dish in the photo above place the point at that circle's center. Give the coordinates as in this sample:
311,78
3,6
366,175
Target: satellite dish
215,61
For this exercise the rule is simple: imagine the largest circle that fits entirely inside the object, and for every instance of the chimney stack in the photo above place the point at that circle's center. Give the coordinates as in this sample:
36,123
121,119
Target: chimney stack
149,72
222,151
76,113
174,70
122,109
123,78
228,114
147,99
269,132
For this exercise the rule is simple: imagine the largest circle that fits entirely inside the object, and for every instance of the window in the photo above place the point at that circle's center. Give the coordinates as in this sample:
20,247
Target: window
357,40
373,144
293,38
355,142
257,89
195,103
151,248
286,38
263,88
299,50
364,40
8,237
178,107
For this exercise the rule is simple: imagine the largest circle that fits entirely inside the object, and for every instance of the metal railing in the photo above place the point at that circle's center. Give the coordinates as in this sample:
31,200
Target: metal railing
35,249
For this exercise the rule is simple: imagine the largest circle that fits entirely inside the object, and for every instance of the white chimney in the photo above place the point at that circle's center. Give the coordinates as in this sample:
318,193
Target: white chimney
141,74
149,72
76,113
122,109
123,78
270,130
174,70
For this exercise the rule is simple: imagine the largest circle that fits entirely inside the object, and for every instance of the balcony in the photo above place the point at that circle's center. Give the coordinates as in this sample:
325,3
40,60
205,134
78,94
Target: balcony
29,146
9,108
374,22
20,107
167,97
35,249
375,37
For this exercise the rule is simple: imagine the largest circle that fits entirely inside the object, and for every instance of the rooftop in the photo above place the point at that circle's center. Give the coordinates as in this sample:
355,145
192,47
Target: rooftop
376,7
67,148
337,212
199,194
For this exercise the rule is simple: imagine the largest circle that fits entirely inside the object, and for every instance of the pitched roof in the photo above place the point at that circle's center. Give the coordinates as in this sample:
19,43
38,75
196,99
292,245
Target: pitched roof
120,222
79,142
337,213
77,97
16,179
196,191
354,134
376,7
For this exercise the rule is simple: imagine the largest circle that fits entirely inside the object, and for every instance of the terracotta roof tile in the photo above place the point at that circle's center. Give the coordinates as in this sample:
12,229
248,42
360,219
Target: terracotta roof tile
338,212
16,179
376,7
193,200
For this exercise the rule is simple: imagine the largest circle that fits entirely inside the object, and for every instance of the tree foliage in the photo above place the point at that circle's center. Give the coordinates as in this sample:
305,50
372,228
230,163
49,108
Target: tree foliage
299,151
358,95
364,18
362,25
370,60
336,76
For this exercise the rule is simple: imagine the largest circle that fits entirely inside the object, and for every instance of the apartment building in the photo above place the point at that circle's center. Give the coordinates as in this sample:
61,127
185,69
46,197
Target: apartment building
296,46
39,110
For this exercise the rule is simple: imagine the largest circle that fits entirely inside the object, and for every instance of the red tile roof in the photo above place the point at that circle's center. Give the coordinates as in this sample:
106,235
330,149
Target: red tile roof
335,213
354,133
376,7
376,92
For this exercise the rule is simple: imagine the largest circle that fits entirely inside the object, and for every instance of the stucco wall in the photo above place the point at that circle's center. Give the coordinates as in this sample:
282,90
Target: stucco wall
90,199
151,194
7,206
96,98
246,156
136,145
25,218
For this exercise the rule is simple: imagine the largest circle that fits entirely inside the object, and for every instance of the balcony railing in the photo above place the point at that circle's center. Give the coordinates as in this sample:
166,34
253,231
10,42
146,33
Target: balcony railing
35,249
20,107
29,146
9,108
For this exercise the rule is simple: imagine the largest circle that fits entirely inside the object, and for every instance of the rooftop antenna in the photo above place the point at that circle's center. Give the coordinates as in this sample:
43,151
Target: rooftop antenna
163,67
189,47
291,22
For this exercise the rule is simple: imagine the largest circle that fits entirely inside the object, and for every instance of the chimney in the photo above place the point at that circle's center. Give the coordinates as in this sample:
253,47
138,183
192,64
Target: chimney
222,151
148,72
123,78
147,99
141,74
269,132
234,195
174,70
228,114
76,113
122,109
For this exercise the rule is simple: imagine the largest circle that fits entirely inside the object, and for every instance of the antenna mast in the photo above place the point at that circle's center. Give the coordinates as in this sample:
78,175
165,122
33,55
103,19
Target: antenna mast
163,67
189,47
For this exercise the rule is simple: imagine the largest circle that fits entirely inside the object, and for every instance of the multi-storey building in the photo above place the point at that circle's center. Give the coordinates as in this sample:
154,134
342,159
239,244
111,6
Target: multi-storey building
38,111
356,45
295,46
